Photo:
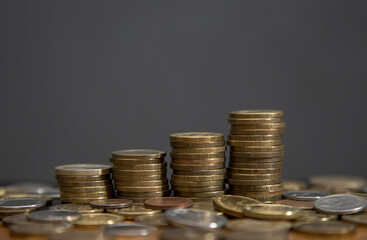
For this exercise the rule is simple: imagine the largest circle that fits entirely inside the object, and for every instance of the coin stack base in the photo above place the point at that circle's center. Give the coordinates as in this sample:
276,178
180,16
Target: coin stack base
257,154
197,161
140,174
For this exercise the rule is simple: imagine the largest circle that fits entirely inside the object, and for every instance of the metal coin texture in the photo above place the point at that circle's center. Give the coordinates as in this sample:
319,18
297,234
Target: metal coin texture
272,212
54,216
82,208
98,219
26,203
39,229
194,137
153,220
111,203
304,195
252,225
340,204
164,203
129,229
136,209
232,205
327,228
138,154
256,114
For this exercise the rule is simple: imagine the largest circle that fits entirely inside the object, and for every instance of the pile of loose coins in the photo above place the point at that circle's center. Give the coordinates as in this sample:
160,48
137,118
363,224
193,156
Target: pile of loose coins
140,174
256,157
198,164
83,183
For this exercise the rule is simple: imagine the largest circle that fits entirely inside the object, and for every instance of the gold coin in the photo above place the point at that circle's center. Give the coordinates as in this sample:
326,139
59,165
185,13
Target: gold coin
259,226
327,228
277,125
98,219
258,148
260,188
198,195
137,209
232,205
254,195
254,176
118,177
253,165
195,156
253,120
195,137
143,194
81,200
197,167
272,212
256,114
83,178
254,137
83,169
254,171
254,143
197,145
269,199
252,182
198,177
199,172
197,189
142,183
139,172
153,166
198,161
118,161
82,208
85,189
138,154
198,184
312,216
84,183
199,150
258,154
294,184
338,181
141,189
236,160
255,132
86,195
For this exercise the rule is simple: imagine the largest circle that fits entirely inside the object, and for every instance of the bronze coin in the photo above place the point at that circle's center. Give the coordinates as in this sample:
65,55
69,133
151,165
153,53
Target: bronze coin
164,203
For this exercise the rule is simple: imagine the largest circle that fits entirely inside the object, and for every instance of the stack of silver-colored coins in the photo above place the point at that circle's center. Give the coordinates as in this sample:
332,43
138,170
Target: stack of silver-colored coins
140,174
83,183
198,160
257,154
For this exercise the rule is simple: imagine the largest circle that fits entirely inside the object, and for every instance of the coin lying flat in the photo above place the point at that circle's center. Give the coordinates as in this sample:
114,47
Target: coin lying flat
198,178
79,207
272,212
304,195
111,203
136,209
194,137
324,227
252,225
15,219
153,220
39,229
164,203
138,154
129,229
98,219
54,216
195,218
26,203
256,114
295,203
340,204
83,169
190,234
312,216
84,178
199,150
197,145
232,205
84,183
180,183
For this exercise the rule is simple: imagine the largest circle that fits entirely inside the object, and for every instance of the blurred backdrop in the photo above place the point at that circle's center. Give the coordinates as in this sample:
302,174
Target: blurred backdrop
80,79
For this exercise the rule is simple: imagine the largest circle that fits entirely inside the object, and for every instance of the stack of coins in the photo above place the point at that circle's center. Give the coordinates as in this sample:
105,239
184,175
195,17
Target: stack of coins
257,153
140,174
83,183
197,160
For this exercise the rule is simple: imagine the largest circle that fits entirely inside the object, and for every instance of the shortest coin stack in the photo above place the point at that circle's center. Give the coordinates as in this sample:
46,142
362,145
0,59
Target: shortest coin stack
140,174
198,160
83,183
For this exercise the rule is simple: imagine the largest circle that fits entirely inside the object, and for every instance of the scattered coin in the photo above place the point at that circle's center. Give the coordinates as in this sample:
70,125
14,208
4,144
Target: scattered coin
340,204
324,227
164,203
15,219
82,208
98,219
129,229
111,203
295,203
190,234
304,195
39,229
272,212
26,203
152,220
135,210
232,205
54,216
312,216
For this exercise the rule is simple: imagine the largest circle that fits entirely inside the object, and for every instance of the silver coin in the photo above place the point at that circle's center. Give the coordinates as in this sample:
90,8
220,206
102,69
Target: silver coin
39,228
126,229
24,203
54,216
195,218
15,219
304,196
190,234
340,204
326,228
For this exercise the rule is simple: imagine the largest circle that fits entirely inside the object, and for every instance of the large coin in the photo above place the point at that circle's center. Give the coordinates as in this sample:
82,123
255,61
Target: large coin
139,172
272,212
256,114
312,216
190,234
254,165
143,194
129,229
80,199
111,203
85,189
195,218
304,195
324,227
340,204
98,219
252,182
198,161
35,229
54,216
26,203
117,177
164,203
232,205
82,208
306,205
136,209
195,137
153,166
259,188
256,132
254,171
197,184
199,150
197,145
196,167
83,169
138,154
275,176
86,194
243,160
252,225
200,172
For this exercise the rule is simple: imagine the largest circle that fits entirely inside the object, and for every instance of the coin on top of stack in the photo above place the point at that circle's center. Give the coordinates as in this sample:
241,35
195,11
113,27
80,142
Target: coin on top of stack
83,183
198,164
257,154
140,174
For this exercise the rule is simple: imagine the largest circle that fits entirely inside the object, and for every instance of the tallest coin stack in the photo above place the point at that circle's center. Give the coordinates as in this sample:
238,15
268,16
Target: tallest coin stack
257,154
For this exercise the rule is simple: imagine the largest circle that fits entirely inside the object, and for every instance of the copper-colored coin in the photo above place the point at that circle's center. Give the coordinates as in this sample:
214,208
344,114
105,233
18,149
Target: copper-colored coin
235,160
111,203
200,150
254,137
260,126
258,148
196,137
196,167
83,178
197,145
198,161
84,183
260,188
139,172
143,194
254,176
153,166
198,178
142,189
256,114
164,203
138,154
200,172
136,161
118,177
294,203
197,155
141,183
197,189
254,171
258,154
255,132
254,143
198,184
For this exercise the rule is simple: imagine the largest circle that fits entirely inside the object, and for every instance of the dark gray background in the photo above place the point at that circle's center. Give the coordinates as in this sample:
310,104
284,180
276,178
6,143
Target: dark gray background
80,79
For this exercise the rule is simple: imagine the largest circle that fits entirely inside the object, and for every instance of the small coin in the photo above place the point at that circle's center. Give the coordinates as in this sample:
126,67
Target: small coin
252,182
98,219
129,229
253,120
139,172
61,178
257,154
254,143
199,194
187,217
39,229
154,166
260,126
232,205
340,204
304,195
134,178
54,216
138,154
111,203
118,161
133,211
194,156
197,145
261,188
80,199
195,189
195,137
142,189
200,172
294,185
26,203
327,228
142,183
338,181
256,132
164,203
272,212
82,208
157,220
254,137
84,183
199,150
83,169
252,225
252,149
143,194
256,114
293,203
190,234
85,189
14,219
178,183
198,177
239,176
197,167
198,161
312,216
254,171
360,218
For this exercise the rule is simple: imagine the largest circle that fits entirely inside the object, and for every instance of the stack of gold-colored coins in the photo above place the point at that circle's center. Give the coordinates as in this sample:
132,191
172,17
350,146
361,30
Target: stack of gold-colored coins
257,154
140,174
83,183
197,160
